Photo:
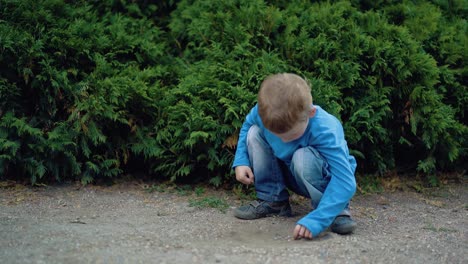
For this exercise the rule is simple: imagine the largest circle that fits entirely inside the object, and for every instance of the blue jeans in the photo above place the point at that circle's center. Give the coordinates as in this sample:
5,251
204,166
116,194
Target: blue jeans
307,175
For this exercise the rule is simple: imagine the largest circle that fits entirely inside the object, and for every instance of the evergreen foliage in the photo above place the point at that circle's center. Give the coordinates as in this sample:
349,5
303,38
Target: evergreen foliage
96,89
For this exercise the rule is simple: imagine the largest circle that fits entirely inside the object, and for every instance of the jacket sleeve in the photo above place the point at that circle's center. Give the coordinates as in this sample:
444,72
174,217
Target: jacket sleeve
242,155
342,186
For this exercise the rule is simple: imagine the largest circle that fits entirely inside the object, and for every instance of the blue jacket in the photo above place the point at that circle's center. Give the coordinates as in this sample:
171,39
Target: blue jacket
325,134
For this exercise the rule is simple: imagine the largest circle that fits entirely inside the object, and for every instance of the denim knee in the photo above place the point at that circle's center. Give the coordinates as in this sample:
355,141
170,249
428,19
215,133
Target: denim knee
269,180
307,165
254,135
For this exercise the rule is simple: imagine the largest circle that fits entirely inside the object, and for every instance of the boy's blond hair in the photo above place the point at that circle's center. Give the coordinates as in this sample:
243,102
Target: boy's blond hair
284,100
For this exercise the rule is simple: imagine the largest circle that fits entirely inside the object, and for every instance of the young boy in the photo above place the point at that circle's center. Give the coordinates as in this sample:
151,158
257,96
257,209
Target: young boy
287,142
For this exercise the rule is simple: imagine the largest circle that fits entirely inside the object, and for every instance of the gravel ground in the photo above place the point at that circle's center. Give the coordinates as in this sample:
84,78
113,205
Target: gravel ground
125,223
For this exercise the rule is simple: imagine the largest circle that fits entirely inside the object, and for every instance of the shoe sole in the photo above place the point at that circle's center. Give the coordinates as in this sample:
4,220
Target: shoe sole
240,215
345,229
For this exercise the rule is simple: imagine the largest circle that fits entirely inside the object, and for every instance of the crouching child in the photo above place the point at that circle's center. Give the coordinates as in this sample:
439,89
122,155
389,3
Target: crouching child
288,142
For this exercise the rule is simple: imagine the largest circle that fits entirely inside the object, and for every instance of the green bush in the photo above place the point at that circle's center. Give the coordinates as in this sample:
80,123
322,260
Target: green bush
97,89
78,89
373,74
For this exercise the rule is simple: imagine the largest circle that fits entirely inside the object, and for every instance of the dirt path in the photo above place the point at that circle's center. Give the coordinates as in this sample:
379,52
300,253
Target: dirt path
126,224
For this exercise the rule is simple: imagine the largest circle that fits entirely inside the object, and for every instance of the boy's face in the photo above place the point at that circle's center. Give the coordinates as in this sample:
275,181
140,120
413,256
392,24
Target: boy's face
296,132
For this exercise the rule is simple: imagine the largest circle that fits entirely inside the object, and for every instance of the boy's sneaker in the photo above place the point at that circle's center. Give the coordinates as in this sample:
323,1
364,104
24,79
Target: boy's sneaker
343,225
258,209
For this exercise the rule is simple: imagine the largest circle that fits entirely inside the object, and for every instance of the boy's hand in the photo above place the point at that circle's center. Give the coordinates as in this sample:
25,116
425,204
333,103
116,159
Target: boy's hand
244,174
301,232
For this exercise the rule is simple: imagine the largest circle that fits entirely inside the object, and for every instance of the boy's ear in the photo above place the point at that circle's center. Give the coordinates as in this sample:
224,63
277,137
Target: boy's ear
312,112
